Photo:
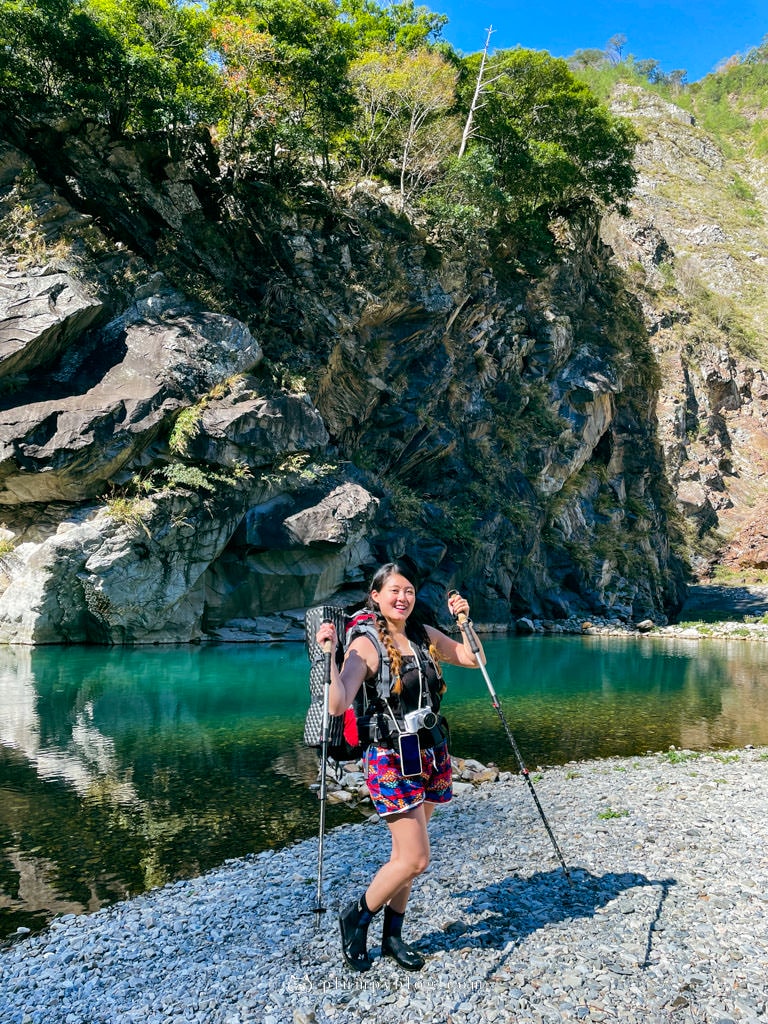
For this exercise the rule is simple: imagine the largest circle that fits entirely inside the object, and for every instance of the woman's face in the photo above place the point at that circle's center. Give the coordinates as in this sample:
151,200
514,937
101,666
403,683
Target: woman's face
396,598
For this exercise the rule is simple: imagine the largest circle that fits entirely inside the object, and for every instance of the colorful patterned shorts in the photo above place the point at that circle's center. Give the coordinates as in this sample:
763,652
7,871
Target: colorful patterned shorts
393,793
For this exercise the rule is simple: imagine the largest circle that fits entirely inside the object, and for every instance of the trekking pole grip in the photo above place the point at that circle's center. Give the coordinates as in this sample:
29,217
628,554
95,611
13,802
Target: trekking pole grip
464,624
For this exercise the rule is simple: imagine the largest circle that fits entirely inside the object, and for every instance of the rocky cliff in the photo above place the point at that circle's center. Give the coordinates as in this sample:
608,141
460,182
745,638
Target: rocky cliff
217,409
694,251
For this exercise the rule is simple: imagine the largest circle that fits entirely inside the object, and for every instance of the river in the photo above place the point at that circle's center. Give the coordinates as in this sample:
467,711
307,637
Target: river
126,768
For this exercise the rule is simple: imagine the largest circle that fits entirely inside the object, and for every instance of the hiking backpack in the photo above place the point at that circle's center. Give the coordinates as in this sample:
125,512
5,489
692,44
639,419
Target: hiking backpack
343,739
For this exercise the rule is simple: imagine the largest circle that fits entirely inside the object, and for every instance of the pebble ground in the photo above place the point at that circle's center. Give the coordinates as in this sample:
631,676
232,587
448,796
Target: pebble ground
664,918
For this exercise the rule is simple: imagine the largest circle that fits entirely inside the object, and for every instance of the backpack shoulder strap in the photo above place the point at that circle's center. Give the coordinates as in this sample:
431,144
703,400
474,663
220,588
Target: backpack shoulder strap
364,624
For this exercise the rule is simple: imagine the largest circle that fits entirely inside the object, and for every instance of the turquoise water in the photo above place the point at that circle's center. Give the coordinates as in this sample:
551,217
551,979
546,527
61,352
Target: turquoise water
125,768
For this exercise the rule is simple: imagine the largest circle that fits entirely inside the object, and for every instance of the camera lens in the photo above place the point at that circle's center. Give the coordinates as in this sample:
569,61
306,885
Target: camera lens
430,719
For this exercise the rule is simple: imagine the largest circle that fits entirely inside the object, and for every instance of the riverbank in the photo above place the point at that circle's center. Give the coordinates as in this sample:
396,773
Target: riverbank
711,611
665,919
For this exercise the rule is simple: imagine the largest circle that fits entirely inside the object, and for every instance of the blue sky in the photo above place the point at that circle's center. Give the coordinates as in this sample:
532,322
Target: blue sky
691,34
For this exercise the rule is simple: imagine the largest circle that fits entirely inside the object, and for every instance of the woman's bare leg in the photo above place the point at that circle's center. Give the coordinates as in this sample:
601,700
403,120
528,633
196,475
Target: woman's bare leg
409,858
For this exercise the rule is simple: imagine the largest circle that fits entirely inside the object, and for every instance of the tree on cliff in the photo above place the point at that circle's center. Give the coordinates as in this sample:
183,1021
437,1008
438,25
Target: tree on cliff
131,64
402,100
297,86
290,59
554,143
543,144
401,26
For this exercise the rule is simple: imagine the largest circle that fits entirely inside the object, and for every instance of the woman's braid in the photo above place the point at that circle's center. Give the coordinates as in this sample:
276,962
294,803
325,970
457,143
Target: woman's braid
395,658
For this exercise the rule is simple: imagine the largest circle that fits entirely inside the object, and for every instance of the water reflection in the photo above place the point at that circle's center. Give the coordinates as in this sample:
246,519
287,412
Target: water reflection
571,699
125,768
122,769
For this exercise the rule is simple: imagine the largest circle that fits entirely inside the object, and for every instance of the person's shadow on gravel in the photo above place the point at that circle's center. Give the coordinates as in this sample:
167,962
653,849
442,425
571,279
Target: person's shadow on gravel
504,913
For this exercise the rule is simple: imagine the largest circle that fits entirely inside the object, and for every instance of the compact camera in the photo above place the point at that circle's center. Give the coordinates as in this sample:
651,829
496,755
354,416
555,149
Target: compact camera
424,718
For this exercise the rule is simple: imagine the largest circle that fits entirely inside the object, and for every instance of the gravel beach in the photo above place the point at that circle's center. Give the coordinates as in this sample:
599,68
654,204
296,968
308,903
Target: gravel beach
665,918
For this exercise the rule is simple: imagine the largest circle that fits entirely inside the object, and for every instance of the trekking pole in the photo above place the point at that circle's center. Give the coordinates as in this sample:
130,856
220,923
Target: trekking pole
464,625
319,908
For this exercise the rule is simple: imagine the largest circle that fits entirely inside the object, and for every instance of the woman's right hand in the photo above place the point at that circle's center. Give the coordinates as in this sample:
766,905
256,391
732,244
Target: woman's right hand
326,632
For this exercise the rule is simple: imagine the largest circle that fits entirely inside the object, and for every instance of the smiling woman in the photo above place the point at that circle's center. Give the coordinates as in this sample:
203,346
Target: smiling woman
408,766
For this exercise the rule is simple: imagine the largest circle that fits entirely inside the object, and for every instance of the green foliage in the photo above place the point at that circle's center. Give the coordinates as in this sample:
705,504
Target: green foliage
401,26
553,142
542,143
131,64
729,576
674,756
22,236
294,87
609,813
296,470
185,429
731,103
757,620
129,511
717,315
602,75
525,421
285,66
468,198
401,127
406,504
181,474
166,80
457,524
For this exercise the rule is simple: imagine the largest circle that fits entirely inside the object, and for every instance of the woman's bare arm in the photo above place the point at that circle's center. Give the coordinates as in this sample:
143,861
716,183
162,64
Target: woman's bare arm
361,661
452,651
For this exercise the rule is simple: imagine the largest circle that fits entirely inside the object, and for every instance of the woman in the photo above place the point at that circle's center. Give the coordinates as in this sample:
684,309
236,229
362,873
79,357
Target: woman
412,653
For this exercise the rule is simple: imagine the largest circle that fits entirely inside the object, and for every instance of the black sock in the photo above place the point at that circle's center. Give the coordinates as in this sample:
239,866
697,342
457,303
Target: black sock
393,922
366,915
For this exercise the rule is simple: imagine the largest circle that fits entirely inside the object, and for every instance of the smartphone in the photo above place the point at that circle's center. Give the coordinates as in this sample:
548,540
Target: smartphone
410,753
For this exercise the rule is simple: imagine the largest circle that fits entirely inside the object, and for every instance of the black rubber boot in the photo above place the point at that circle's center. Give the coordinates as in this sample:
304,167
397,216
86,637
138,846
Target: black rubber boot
402,953
393,946
353,923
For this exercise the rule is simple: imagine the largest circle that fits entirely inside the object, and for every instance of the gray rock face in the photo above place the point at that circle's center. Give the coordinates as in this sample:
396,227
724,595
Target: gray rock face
307,559
487,427
346,511
104,580
69,447
253,429
40,315
692,248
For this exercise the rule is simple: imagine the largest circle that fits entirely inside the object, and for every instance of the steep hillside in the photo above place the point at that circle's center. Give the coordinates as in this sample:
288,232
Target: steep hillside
219,408
695,248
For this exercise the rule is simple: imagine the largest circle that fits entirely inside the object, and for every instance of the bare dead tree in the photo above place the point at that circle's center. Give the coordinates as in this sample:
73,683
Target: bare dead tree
467,133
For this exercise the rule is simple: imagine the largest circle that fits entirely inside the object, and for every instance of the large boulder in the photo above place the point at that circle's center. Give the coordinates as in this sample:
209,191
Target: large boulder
342,516
252,428
40,315
132,573
285,561
114,398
